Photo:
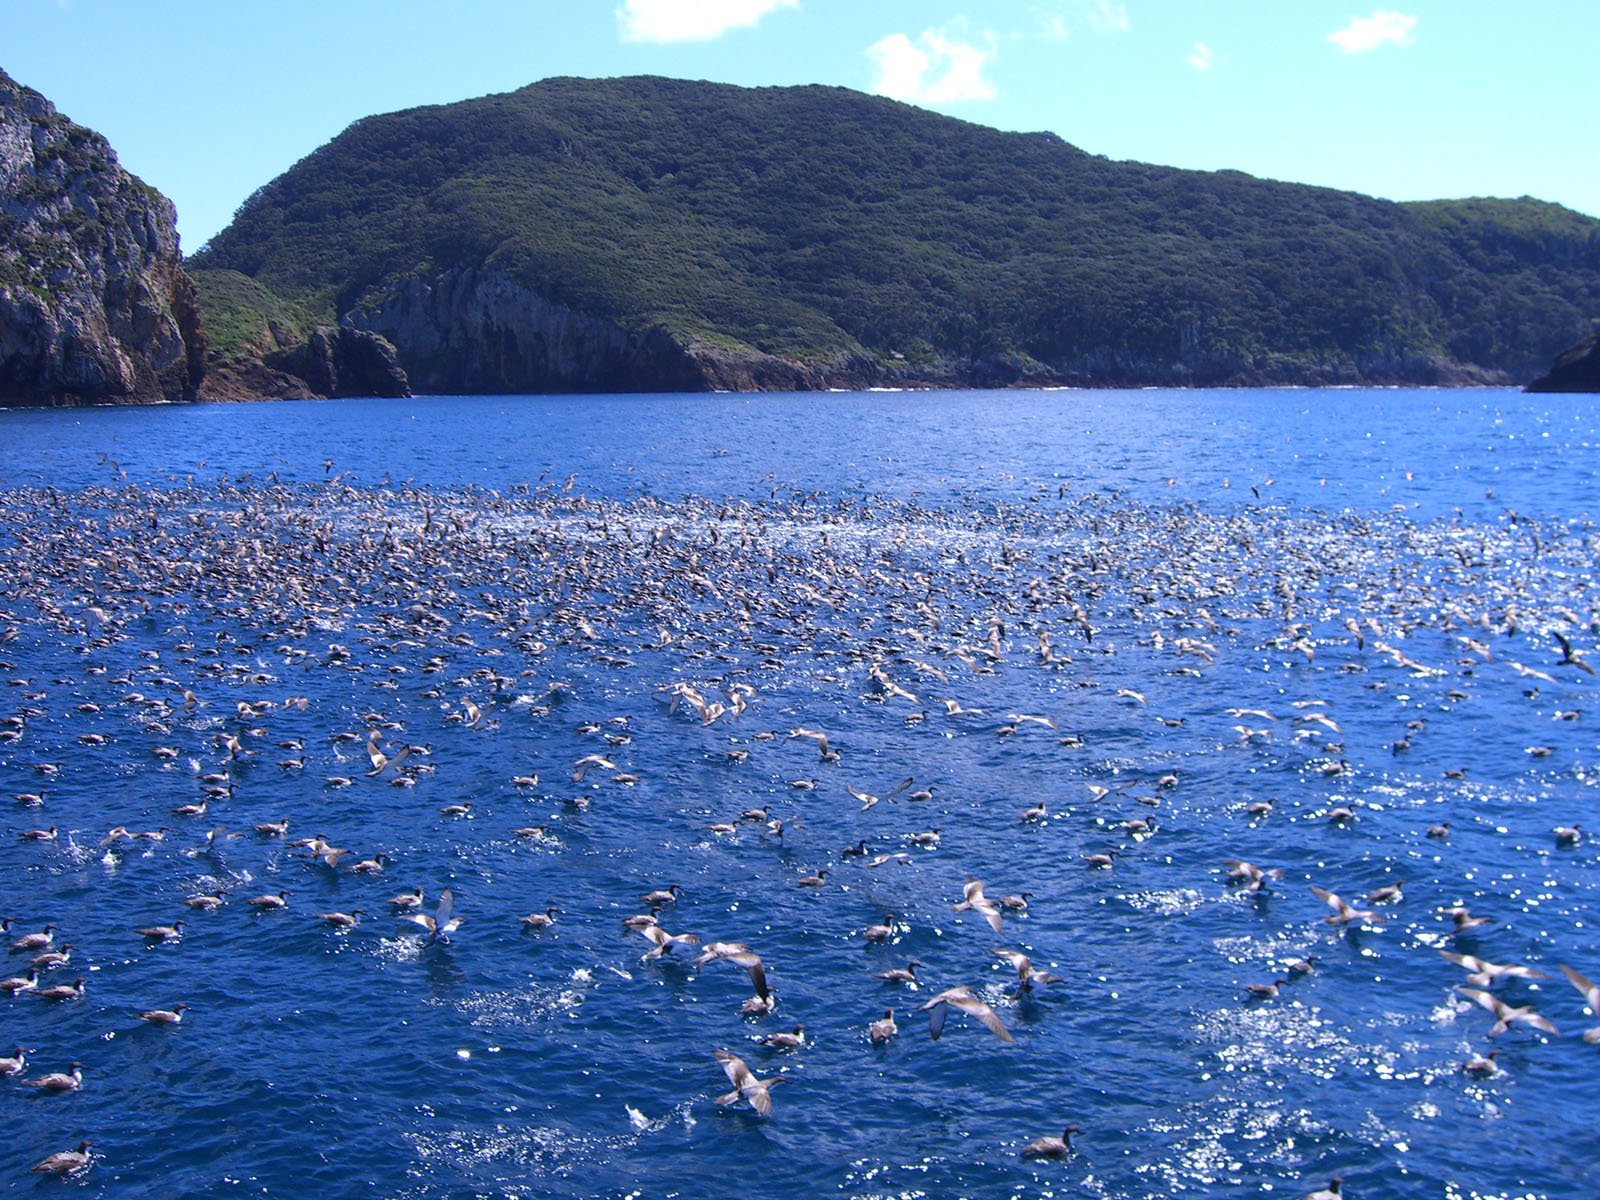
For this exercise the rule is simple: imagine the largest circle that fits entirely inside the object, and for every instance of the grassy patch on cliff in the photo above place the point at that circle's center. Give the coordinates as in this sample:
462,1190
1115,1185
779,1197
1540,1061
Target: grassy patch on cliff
242,316
809,222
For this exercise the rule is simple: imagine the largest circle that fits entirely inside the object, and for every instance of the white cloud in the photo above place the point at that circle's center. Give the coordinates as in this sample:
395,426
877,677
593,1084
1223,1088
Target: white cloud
1108,16
690,20
1201,57
1382,28
935,68
1054,29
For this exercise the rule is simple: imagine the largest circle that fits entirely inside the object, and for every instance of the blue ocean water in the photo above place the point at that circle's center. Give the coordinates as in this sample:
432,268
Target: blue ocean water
1144,611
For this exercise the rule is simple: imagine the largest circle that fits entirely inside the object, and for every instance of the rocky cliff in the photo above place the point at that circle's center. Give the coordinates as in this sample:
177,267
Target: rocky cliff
470,331
1576,370
338,362
95,305
467,330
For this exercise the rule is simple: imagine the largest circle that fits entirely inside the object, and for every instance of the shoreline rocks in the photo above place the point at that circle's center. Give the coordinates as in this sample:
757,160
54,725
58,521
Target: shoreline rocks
1575,370
340,362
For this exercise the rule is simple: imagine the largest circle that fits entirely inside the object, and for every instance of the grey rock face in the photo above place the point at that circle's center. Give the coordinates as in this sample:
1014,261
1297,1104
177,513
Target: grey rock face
95,306
471,331
465,330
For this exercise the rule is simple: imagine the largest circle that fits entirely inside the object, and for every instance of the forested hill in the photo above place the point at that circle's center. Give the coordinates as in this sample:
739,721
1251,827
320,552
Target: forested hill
645,233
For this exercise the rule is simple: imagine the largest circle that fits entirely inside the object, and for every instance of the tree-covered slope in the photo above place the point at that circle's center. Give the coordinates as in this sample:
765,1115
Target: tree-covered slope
701,233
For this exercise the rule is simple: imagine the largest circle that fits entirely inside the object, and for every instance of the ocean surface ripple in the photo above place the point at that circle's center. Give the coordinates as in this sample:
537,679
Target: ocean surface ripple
1162,669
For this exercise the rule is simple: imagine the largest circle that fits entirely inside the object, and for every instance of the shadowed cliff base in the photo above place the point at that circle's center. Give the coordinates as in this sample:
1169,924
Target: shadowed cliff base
1576,370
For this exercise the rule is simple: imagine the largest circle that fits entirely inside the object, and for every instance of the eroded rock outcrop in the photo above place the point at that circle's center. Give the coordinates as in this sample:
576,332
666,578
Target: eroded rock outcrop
95,306
1575,370
337,362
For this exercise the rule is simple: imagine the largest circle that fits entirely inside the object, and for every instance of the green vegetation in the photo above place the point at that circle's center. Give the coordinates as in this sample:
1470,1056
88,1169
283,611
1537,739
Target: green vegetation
243,317
816,222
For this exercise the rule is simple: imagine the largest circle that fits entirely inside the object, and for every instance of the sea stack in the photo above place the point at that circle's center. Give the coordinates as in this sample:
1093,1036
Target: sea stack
1575,370
95,306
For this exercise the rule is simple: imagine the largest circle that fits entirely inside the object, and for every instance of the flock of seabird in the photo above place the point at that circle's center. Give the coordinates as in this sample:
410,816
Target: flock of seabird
228,608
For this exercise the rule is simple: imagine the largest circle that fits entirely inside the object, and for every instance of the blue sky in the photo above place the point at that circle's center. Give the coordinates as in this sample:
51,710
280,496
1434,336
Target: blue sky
209,99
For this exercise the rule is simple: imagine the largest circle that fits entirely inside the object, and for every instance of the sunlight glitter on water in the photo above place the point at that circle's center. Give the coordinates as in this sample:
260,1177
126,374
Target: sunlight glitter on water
542,1053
